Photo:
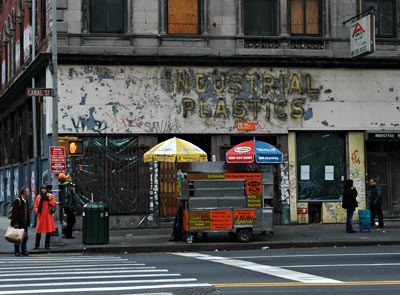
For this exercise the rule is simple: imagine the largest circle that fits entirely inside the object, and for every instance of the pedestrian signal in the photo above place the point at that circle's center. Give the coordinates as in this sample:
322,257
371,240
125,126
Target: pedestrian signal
75,148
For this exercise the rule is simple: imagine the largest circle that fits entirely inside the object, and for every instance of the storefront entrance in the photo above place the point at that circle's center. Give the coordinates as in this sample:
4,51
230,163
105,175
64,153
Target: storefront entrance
383,163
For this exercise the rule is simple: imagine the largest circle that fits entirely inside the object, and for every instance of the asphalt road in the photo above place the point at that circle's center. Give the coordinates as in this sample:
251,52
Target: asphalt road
352,270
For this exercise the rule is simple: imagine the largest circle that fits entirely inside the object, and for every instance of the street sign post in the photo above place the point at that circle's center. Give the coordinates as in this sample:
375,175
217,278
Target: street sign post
57,160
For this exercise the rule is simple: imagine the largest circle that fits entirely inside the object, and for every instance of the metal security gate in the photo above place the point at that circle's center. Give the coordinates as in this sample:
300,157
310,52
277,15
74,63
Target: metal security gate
111,169
385,167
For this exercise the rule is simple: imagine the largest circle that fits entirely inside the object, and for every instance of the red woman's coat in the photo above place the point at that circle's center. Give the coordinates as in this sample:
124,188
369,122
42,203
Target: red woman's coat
45,221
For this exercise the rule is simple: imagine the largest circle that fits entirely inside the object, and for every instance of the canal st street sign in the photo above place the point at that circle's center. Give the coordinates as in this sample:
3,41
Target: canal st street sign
57,160
39,92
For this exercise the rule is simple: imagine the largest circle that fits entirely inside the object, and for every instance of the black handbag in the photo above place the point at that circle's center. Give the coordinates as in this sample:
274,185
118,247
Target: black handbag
52,209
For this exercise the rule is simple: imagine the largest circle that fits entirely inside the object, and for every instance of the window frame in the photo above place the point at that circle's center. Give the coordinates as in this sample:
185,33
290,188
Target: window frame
274,31
320,20
123,28
378,22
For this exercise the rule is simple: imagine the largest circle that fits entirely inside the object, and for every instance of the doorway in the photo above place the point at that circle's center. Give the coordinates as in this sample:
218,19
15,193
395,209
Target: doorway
383,163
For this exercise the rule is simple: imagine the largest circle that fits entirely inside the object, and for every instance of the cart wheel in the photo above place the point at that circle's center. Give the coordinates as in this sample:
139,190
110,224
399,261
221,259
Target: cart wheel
189,239
243,236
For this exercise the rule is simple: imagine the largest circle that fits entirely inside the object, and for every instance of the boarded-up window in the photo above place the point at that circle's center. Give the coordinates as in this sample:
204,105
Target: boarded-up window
107,16
260,17
305,17
183,17
385,17
321,162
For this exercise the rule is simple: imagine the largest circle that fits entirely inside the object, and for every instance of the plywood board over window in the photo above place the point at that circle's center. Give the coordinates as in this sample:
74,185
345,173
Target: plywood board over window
305,17
312,14
297,17
183,17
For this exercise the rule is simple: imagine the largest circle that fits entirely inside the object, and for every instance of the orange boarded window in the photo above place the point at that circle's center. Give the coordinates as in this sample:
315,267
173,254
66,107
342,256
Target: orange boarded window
305,17
183,17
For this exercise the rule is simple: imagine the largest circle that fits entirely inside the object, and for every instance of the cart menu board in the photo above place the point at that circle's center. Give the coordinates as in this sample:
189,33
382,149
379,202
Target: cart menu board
254,201
199,220
208,220
254,193
221,219
244,217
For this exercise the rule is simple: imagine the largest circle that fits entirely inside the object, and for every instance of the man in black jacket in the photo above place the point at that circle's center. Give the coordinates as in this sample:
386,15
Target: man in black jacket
375,202
69,209
20,219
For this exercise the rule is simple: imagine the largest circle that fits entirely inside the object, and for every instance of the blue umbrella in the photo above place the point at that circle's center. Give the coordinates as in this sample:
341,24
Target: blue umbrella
266,153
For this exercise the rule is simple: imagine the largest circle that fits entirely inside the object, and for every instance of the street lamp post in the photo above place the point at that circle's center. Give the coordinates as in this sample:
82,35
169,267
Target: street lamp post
54,71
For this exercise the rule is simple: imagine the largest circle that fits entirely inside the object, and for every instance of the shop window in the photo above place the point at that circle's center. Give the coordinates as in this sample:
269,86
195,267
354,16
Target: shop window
183,17
107,16
321,165
260,17
305,17
385,16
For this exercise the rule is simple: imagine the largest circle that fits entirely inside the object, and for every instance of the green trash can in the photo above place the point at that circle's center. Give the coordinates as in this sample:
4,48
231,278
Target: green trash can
95,223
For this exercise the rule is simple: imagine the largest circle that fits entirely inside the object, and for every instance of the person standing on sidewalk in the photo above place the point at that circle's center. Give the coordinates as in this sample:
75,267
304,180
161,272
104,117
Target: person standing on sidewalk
69,210
375,202
20,219
45,220
349,203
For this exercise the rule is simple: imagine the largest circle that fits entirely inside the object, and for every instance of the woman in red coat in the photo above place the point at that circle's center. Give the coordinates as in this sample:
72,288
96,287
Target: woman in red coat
45,220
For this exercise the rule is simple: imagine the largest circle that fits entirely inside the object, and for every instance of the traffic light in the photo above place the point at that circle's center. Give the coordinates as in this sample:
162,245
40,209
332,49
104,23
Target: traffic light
75,148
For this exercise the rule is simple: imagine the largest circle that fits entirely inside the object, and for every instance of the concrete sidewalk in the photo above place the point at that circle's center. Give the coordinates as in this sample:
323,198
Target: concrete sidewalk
158,239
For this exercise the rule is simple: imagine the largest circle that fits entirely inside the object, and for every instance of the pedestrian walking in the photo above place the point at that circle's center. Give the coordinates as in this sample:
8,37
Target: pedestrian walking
69,210
45,220
20,219
349,203
375,202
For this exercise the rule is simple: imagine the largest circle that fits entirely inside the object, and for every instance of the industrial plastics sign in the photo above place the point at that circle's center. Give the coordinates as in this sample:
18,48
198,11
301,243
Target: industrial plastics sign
362,36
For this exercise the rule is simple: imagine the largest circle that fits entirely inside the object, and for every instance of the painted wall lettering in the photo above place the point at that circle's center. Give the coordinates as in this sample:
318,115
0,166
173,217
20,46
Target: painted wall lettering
241,95
123,99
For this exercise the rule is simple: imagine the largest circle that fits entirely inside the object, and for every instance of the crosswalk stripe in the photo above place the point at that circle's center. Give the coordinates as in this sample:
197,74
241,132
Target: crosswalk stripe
71,275
266,269
103,289
102,282
68,266
40,272
92,277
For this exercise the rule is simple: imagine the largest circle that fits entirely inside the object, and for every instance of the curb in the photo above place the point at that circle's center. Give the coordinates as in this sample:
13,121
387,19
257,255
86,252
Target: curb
207,247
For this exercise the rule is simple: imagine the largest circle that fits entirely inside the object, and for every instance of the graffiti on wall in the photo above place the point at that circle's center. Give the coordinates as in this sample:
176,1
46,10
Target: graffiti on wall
155,99
332,212
357,165
122,99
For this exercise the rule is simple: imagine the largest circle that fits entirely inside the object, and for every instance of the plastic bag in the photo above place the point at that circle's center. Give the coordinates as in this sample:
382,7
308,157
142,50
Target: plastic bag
15,235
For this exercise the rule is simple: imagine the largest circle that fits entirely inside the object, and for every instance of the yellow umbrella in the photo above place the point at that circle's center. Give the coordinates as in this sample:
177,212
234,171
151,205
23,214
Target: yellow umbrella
175,149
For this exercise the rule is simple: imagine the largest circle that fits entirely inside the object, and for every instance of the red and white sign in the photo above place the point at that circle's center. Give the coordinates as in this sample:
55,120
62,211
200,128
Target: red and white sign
57,160
246,126
362,36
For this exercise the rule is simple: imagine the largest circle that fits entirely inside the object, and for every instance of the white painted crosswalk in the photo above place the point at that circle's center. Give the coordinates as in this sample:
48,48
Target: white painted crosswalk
74,274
